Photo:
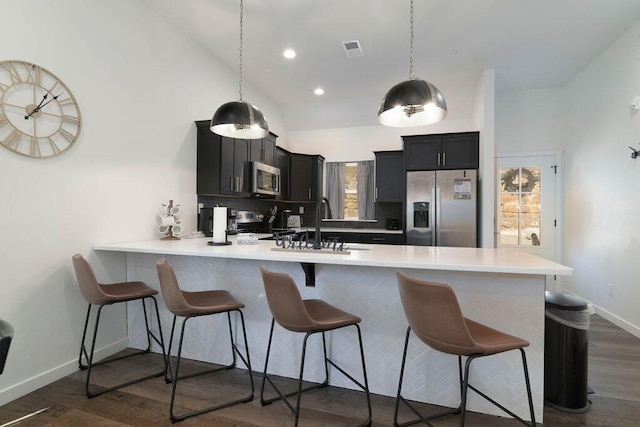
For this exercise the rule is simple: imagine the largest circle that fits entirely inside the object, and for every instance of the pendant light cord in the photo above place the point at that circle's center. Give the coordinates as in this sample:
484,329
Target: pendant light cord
411,76
240,68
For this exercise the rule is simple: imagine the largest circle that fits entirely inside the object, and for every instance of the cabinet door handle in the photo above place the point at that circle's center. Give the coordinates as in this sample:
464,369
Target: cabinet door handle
231,179
378,239
376,192
444,159
309,190
438,159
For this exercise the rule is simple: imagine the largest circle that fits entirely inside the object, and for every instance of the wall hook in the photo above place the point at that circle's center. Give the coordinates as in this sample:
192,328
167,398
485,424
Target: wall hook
634,153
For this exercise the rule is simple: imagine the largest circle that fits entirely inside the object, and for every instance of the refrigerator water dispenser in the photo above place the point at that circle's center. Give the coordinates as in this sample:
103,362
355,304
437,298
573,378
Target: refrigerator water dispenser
421,214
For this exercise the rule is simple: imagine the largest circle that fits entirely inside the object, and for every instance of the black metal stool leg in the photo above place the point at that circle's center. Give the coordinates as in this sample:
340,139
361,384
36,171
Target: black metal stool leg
528,385
83,349
91,364
234,349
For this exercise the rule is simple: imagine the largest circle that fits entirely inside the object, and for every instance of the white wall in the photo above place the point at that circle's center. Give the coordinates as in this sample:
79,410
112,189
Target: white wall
359,143
484,119
589,120
140,85
530,121
602,220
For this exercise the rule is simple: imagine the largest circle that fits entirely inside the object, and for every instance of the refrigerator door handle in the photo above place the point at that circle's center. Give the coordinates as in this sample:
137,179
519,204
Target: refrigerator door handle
436,234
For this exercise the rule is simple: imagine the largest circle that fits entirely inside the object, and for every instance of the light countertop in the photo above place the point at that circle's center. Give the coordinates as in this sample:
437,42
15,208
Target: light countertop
392,256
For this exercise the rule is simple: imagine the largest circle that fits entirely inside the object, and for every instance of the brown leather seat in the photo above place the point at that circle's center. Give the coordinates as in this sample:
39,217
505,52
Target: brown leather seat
103,295
435,317
6,334
306,316
192,304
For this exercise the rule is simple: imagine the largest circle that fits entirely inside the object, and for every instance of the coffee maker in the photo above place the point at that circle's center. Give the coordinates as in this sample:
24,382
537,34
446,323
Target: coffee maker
283,219
232,221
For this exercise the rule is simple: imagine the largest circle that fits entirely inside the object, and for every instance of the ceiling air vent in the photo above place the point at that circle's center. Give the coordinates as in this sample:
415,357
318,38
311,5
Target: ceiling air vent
352,48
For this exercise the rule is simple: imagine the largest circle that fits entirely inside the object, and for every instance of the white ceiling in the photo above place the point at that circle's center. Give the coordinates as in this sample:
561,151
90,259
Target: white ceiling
530,44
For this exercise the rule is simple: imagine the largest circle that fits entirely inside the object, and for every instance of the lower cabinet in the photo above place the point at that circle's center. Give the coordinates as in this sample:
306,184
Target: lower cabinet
355,237
382,238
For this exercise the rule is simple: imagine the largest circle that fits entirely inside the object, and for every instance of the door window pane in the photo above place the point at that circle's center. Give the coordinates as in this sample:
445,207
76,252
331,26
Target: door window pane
520,206
508,233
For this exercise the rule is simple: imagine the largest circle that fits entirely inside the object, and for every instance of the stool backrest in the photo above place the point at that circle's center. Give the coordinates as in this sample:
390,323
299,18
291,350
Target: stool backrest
285,301
171,293
89,287
434,315
6,334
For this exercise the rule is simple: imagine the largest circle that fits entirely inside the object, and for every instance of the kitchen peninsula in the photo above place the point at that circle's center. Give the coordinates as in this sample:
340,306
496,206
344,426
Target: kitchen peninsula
501,288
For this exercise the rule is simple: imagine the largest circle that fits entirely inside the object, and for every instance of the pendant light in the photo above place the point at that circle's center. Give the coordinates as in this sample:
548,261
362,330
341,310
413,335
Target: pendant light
414,102
239,119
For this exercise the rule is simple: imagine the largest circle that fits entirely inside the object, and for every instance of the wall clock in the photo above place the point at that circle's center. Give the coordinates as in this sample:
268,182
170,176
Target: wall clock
39,117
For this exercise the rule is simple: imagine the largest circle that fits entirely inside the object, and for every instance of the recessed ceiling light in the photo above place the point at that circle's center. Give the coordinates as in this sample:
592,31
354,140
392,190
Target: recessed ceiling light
289,53
319,91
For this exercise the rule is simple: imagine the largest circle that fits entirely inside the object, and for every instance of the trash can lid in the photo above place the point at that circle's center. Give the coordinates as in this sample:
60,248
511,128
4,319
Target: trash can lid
564,301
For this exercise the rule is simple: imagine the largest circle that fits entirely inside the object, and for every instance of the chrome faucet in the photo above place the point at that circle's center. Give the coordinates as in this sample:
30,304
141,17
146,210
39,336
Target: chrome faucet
317,244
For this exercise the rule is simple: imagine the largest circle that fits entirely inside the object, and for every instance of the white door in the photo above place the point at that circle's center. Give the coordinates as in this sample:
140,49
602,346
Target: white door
527,211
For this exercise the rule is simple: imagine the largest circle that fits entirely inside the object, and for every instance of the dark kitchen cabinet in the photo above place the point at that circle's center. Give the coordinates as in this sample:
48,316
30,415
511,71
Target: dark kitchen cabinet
306,177
356,237
283,159
382,238
390,176
222,163
443,151
264,150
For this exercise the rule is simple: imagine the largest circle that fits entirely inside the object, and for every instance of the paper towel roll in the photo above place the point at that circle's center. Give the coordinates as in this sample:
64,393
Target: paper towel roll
167,220
219,224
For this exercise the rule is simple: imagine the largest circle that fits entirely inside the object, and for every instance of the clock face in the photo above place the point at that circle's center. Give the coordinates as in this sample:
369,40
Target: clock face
39,117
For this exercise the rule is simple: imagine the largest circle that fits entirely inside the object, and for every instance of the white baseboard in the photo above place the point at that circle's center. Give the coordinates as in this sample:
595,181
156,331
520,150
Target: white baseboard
18,390
632,329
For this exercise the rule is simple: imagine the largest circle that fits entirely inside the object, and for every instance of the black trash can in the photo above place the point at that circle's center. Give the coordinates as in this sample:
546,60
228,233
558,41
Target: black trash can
566,341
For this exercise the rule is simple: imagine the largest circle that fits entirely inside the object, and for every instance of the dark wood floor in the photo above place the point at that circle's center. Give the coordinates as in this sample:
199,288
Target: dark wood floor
614,375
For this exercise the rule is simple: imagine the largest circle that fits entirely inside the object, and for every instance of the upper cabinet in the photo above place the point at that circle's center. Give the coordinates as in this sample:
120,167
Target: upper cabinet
443,151
305,177
222,163
283,162
264,150
389,176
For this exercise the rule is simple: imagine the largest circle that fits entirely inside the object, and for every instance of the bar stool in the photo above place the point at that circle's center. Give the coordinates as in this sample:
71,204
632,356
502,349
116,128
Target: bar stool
103,295
435,317
6,334
308,316
193,304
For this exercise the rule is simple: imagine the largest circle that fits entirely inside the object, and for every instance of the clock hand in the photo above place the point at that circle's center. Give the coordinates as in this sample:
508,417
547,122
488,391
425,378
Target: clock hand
35,110
41,105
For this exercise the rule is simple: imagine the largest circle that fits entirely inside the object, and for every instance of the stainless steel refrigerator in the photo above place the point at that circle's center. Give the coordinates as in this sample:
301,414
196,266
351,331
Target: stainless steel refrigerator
441,208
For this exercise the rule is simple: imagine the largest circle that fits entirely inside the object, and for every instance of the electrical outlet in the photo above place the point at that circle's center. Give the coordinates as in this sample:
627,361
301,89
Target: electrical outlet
301,210
611,289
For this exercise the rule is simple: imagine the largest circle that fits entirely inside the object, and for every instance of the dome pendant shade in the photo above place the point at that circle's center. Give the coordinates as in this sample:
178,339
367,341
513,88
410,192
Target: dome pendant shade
412,103
239,119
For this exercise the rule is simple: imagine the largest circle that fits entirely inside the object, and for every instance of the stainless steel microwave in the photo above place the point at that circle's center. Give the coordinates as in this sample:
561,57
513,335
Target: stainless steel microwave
265,179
